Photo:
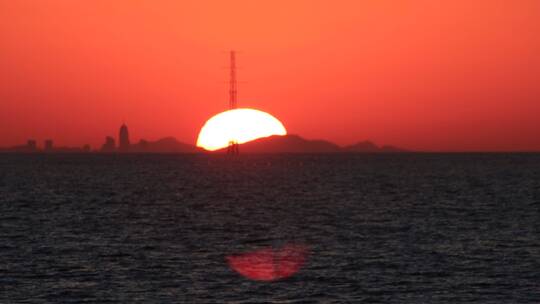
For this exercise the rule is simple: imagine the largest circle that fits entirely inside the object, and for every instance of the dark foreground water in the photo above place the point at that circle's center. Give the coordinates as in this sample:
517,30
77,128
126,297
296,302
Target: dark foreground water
435,228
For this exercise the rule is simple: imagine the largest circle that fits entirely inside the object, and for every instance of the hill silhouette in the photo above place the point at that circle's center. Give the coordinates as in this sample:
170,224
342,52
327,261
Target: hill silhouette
295,144
369,147
363,146
164,145
287,144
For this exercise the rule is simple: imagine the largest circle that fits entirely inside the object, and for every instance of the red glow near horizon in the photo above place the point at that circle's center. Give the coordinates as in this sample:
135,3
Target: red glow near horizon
423,75
270,264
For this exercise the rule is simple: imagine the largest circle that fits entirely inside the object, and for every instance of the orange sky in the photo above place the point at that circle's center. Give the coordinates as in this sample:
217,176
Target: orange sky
427,75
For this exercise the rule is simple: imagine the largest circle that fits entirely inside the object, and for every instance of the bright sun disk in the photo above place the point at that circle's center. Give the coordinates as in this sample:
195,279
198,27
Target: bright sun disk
238,125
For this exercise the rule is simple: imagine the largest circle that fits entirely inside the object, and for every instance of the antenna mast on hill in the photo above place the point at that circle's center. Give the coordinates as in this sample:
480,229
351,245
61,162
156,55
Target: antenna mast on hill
233,144
232,83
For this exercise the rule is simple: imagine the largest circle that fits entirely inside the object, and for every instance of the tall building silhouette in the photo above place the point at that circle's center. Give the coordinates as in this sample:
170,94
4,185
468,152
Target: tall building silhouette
109,145
123,139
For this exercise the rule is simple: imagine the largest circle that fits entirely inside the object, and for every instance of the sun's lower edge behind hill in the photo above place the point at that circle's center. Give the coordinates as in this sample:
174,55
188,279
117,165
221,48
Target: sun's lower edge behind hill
238,125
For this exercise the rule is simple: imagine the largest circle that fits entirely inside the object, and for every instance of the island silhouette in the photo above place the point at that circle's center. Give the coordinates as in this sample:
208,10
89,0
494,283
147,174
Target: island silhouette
292,143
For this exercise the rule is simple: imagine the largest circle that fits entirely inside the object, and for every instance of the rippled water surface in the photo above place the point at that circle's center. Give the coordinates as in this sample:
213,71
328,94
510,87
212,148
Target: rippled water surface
426,228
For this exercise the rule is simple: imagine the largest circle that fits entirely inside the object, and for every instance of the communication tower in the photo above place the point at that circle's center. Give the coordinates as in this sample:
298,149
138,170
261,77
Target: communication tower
233,144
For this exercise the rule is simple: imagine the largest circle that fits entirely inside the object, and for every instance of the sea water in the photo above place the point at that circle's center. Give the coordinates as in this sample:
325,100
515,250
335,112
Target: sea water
378,228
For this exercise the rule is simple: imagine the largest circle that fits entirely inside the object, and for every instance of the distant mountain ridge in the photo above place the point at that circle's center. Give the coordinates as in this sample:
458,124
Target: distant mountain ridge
292,143
164,145
369,147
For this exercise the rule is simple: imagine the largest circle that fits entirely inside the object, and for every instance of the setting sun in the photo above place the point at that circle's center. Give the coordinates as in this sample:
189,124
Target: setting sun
240,126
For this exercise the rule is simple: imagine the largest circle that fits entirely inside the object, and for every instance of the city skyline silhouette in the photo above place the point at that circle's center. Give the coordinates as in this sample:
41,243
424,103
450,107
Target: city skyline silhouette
289,143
